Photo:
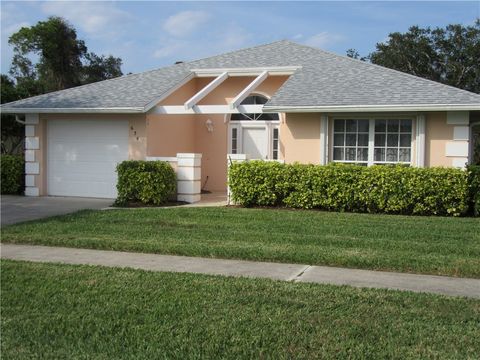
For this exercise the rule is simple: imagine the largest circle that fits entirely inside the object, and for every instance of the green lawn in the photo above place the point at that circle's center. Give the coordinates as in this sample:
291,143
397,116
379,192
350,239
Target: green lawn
435,245
64,311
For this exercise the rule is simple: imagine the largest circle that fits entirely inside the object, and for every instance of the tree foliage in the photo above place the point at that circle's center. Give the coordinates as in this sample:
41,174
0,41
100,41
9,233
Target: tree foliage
62,61
101,68
448,55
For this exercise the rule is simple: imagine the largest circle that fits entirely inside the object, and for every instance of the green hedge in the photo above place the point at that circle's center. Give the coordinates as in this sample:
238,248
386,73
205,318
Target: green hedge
474,188
339,187
147,182
12,168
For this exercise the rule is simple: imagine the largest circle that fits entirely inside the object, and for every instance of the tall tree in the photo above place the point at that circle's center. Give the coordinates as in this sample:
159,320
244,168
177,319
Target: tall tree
60,53
101,68
448,55
63,59
63,62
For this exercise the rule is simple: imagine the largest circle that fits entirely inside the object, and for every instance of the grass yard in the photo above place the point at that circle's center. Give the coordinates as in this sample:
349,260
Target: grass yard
65,311
433,245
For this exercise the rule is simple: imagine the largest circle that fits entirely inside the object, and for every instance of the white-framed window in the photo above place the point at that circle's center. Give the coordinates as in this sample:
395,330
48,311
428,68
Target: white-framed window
393,141
369,141
275,143
350,140
255,134
234,140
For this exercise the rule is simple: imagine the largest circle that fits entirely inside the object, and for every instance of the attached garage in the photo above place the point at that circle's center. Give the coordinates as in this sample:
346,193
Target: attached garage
82,156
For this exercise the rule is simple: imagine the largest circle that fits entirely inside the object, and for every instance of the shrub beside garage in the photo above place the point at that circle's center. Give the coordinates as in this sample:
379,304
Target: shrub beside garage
340,187
12,169
146,182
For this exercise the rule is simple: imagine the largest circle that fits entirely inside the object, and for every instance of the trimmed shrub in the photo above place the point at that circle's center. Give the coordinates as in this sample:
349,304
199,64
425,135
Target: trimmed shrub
148,182
12,168
474,188
340,187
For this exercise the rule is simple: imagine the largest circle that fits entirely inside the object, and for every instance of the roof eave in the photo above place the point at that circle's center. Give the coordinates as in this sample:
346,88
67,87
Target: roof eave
127,110
372,108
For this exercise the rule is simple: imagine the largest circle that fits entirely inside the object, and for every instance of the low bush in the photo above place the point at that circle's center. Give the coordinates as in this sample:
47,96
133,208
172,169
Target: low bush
148,182
339,187
12,168
474,189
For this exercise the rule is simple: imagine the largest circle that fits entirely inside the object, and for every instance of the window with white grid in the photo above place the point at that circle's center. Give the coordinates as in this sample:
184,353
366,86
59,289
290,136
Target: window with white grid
372,141
350,140
393,141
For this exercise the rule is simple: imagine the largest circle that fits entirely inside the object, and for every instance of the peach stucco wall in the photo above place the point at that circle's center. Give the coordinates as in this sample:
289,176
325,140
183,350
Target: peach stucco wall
437,133
168,135
300,138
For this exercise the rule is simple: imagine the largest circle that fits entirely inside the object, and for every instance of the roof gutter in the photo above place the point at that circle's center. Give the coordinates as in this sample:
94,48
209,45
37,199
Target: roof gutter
127,110
371,108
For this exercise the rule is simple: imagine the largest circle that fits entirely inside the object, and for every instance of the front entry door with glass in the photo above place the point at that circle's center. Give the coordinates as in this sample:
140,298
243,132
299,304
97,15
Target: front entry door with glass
254,134
255,142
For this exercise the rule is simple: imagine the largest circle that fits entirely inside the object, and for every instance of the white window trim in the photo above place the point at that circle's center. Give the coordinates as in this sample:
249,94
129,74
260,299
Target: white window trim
420,126
371,139
324,139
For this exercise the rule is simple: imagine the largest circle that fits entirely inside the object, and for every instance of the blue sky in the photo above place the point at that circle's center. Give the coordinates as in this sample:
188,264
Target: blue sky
149,35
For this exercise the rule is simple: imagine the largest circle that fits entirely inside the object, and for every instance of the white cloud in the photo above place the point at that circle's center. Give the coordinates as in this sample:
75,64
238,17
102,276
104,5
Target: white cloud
95,18
233,37
323,39
185,22
169,50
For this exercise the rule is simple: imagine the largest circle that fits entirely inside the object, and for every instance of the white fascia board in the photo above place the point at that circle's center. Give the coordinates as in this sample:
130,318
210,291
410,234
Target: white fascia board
118,110
206,109
169,92
247,91
372,108
206,90
253,71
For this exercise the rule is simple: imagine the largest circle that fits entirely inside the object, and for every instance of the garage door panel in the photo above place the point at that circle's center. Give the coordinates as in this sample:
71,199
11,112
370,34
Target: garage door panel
85,169
100,189
84,152
83,155
75,129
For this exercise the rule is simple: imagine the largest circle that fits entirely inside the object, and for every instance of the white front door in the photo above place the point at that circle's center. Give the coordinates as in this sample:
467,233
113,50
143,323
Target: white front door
255,142
258,140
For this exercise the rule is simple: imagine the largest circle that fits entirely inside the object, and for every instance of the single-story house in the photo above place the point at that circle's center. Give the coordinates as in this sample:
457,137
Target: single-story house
281,101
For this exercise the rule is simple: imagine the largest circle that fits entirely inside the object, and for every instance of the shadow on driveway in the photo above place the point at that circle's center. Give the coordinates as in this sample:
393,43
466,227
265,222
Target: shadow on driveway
22,208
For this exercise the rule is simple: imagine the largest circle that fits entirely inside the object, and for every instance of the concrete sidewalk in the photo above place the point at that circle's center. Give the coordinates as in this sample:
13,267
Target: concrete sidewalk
277,271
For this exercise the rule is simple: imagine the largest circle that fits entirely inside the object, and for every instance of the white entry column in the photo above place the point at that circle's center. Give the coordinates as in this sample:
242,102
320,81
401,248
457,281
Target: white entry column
189,177
32,147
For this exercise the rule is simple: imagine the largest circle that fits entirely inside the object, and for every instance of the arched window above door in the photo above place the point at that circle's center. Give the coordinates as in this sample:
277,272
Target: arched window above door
254,100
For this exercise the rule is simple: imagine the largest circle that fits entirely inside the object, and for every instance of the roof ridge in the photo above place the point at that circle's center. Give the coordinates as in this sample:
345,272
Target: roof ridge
364,63
238,50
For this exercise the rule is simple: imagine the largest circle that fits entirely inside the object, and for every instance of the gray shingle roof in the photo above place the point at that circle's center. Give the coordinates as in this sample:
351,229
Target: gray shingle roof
325,79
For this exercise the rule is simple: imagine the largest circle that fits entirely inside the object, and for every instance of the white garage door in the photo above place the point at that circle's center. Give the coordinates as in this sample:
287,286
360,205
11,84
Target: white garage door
82,156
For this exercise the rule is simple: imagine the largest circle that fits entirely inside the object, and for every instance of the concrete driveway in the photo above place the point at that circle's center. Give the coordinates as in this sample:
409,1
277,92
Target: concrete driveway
22,208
